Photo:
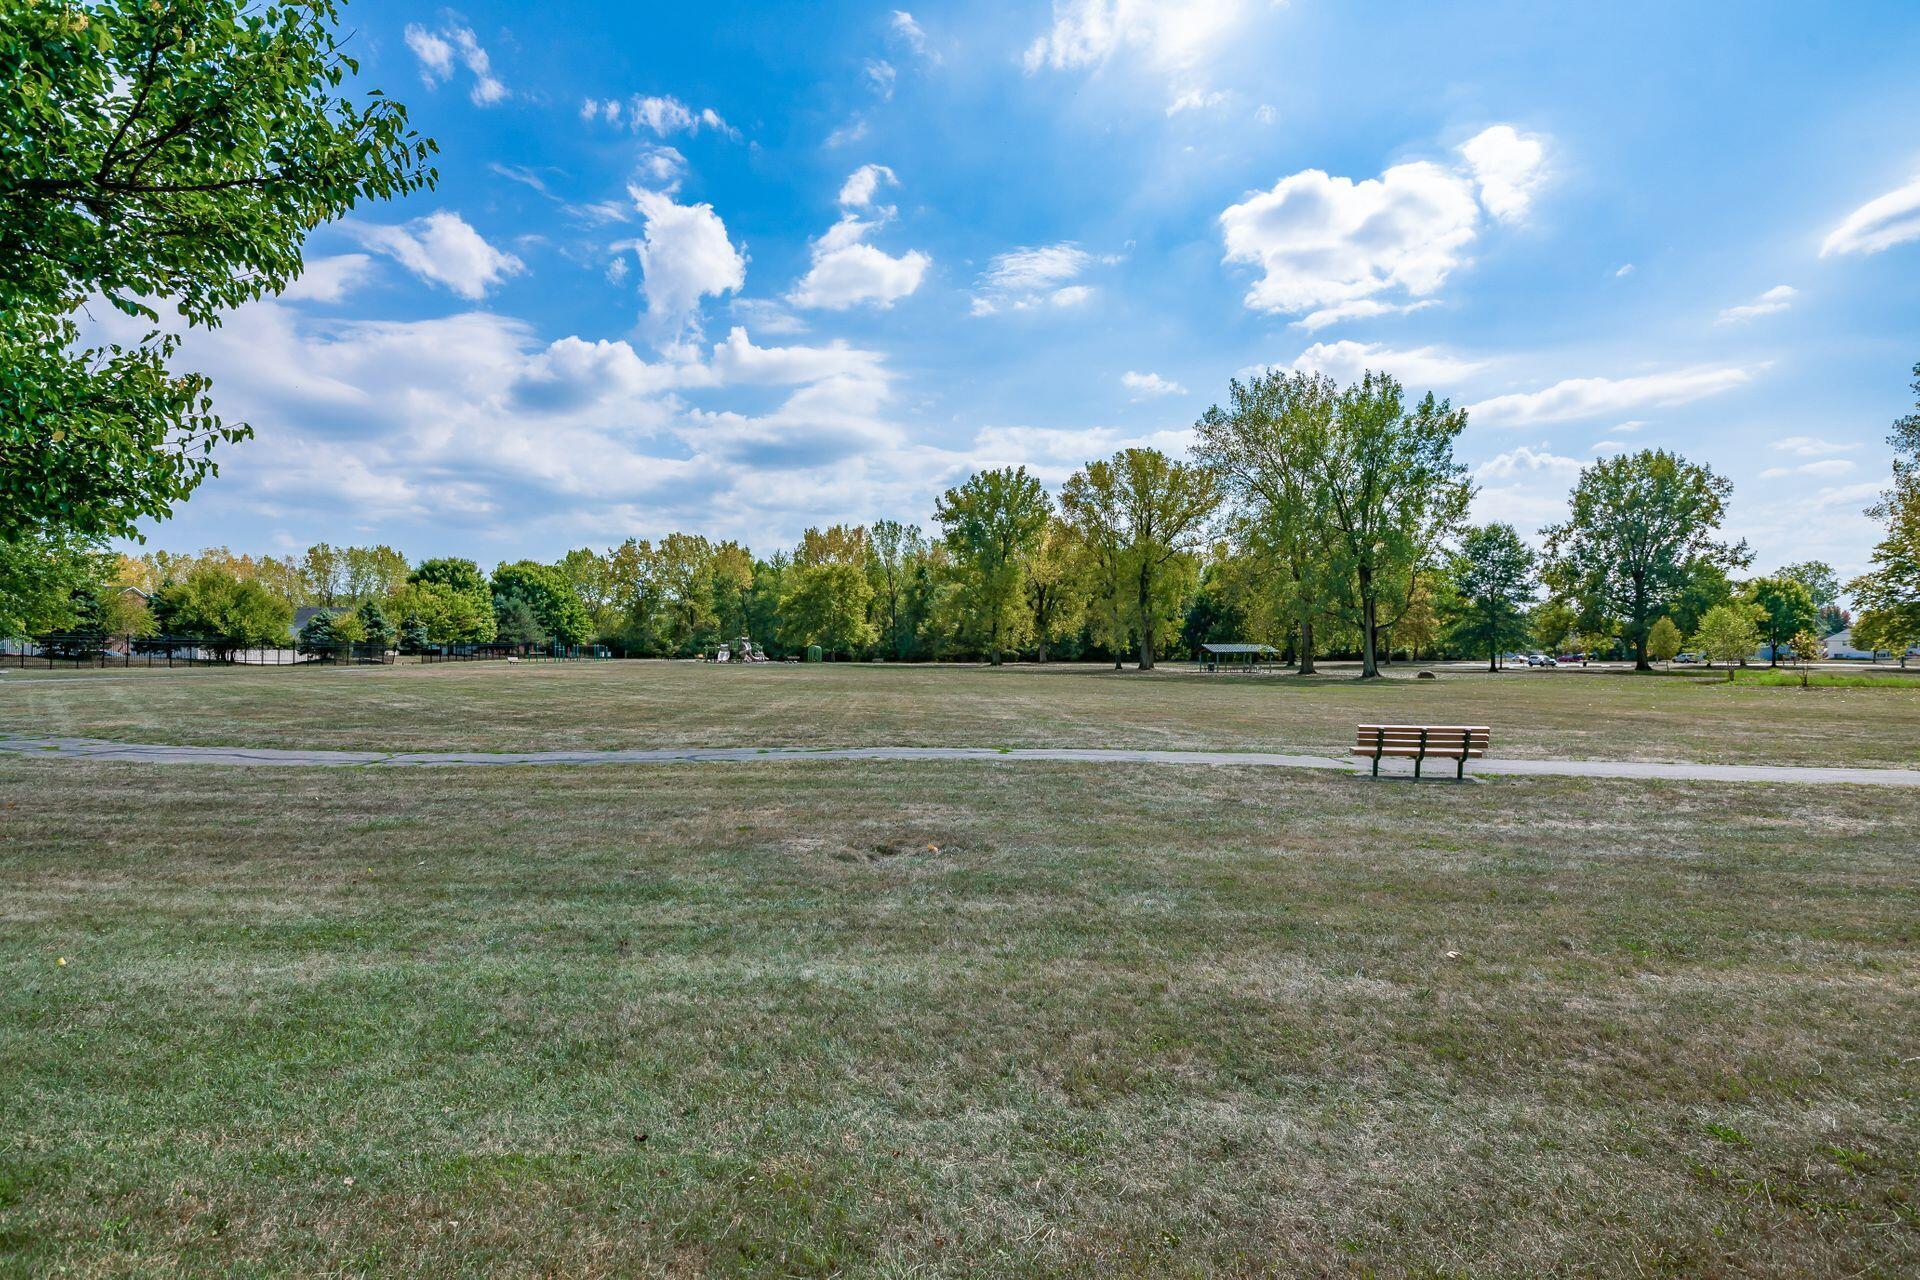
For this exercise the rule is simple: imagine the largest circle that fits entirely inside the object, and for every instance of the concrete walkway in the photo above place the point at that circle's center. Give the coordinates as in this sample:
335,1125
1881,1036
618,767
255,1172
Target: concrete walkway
144,753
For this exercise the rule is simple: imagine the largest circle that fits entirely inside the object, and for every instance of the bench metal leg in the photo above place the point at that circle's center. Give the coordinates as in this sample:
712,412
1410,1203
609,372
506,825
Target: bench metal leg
1376,764
1417,760
1460,771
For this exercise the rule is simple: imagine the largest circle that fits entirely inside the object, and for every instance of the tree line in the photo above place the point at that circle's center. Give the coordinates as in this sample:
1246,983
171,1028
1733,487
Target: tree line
1326,521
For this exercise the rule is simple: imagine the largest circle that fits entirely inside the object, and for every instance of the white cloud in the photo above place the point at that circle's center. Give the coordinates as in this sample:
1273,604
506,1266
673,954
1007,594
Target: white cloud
1592,397
1811,446
1774,300
1879,224
1169,32
1029,277
858,190
1630,426
1345,361
1524,461
907,30
664,115
738,361
437,52
1265,113
1509,166
685,255
330,279
847,272
1623,271
661,166
881,77
1197,100
1145,385
1825,467
1320,241
1361,309
434,53
1052,454
443,249
847,134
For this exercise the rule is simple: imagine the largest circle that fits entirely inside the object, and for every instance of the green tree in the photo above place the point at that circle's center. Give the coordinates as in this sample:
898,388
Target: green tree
158,152
1056,592
1890,589
1727,634
40,575
1783,608
1639,527
896,550
1663,641
1553,623
1266,448
1808,647
368,572
226,612
1818,577
375,626
1492,579
992,524
1886,631
1392,489
433,613
826,604
515,621
1157,513
545,591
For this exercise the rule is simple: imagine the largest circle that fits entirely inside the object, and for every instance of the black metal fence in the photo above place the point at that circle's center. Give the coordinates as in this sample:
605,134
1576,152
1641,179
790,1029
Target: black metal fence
82,650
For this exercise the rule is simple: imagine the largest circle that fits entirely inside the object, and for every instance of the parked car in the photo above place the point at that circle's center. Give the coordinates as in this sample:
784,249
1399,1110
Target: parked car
1572,657
1686,657
1540,660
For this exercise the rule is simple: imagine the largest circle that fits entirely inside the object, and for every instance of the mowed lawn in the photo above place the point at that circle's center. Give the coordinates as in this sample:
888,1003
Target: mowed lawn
493,706
953,1019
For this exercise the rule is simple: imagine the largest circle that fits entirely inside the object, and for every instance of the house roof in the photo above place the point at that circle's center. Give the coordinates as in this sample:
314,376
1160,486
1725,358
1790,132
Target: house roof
1239,648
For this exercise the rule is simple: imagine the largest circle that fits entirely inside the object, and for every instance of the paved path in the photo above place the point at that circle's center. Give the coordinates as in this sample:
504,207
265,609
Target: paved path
144,753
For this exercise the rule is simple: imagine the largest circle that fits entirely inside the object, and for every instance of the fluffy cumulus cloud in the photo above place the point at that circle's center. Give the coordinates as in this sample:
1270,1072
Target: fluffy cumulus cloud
1145,386
1811,446
685,255
1323,243
467,420
444,249
1419,368
1034,277
1509,166
439,51
1576,398
1892,219
858,190
1359,309
1773,301
846,271
662,115
1525,487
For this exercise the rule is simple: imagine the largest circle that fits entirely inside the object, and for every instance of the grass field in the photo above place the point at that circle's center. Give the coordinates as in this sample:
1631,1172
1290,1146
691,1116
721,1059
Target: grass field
952,1019
802,1019
491,706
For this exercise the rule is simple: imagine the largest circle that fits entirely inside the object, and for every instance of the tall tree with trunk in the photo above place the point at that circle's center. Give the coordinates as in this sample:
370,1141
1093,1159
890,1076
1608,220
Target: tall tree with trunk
1392,489
1159,513
158,153
1056,591
1639,529
1783,608
1264,447
1494,584
894,550
992,524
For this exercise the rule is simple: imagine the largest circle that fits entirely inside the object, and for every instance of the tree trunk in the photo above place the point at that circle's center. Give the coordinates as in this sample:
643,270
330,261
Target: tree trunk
1493,657
1043,646
1640,662
1368,608
1306,647
1146,620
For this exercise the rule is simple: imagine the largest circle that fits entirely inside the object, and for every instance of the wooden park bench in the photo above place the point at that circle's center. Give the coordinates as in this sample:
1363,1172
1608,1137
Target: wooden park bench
1421,742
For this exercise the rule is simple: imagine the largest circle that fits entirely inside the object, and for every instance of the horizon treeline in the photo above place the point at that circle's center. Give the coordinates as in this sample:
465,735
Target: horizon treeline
1322,520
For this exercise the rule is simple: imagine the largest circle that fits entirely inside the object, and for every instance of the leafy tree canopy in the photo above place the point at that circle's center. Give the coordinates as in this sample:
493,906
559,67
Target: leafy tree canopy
158,152
1492,578
1639,530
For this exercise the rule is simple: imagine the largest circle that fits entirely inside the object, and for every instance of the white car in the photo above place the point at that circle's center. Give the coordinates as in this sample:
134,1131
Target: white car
1540,660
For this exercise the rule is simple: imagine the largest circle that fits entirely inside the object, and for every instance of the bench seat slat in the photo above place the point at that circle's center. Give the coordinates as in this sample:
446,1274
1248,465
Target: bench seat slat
1450,753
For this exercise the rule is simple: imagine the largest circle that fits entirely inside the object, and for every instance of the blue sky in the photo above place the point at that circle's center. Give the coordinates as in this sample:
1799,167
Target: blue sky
740,269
